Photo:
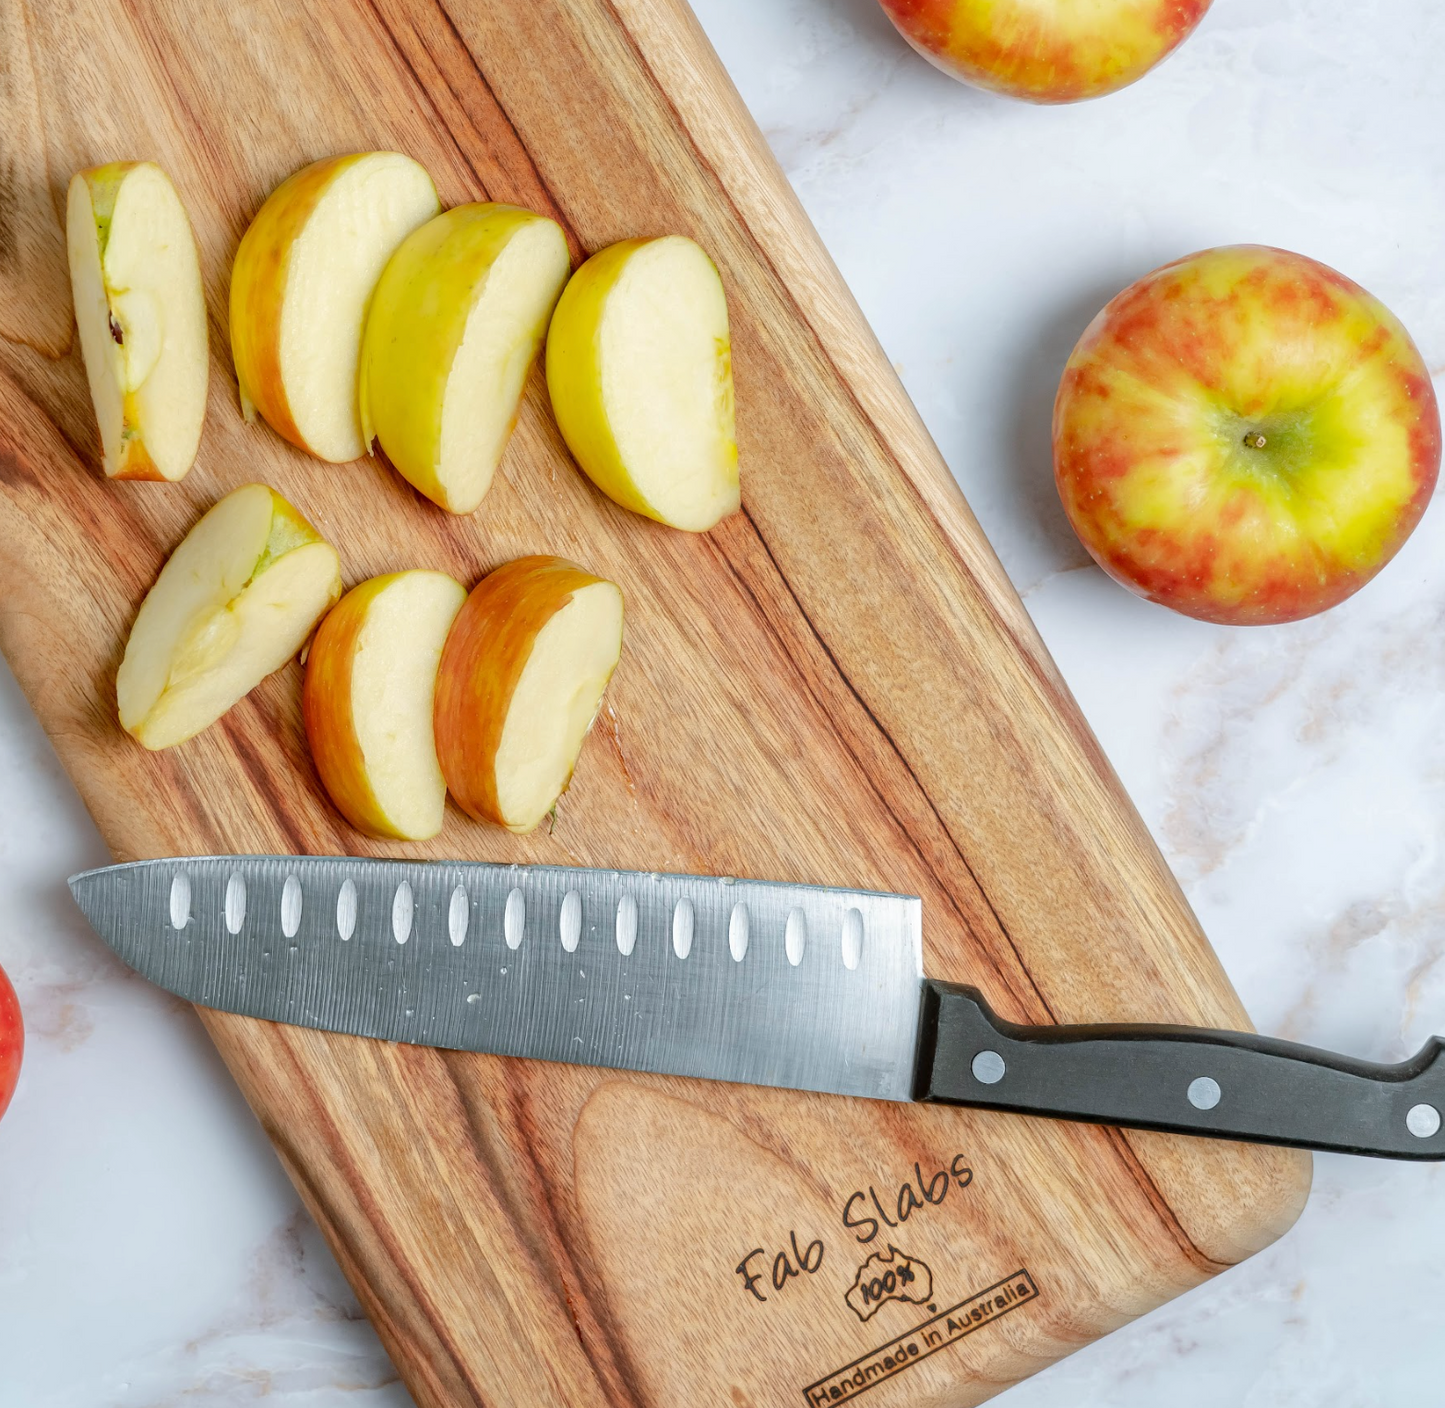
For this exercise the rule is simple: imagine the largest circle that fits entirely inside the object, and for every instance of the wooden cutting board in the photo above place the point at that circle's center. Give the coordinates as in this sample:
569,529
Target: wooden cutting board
837,685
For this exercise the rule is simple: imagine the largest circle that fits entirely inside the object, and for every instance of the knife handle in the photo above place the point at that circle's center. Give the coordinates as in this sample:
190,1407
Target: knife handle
1185,1080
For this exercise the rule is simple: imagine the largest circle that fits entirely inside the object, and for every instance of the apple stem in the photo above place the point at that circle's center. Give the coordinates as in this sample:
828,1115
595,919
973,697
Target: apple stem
1255,440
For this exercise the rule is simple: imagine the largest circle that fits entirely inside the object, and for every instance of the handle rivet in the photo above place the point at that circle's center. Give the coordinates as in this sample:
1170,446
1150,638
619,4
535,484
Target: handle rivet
988,1068
1204,1092
1423,1121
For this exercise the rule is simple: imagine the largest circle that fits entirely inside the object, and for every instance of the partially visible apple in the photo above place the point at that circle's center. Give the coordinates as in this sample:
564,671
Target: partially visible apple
521,681
370,684
141,312
1245,436
12,1041
453,330
639,367
303,277
236,600
1046,51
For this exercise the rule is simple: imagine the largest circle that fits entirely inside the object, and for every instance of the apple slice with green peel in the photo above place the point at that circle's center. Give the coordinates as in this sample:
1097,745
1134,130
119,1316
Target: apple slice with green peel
370,683
141,312
236,600
521,681
639,367
454,327
303,278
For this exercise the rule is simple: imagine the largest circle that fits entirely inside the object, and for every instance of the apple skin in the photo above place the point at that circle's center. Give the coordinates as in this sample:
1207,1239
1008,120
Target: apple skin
1046,51
485,654
257,278
325,704
12,1041
1162,407
574,382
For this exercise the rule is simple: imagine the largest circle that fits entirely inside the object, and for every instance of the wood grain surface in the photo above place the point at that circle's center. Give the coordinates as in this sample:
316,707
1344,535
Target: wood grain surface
837,685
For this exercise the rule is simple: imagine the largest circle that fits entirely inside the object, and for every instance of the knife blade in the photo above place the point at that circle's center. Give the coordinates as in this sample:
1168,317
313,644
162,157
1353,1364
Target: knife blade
764,983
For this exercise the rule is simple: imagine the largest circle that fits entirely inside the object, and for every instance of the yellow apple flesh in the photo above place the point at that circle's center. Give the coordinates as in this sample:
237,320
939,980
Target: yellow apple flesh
141,313
521,681
236,600
303,278
370,683
452,332
639,367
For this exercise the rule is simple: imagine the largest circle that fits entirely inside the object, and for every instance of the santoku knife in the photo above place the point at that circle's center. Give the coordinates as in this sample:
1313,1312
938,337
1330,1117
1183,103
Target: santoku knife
737,980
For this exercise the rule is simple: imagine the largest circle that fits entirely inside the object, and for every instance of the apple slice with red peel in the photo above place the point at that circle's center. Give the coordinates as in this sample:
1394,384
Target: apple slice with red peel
237,599
521,681
370,683
639,368
303,278
141,312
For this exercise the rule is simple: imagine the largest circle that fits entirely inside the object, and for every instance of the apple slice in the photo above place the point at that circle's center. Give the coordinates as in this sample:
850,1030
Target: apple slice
236,600
639,367
453,330
370,682
304,274
521,680
141,312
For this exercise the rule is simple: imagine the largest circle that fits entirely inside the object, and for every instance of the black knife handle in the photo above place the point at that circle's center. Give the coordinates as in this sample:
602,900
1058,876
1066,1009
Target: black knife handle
1185,1080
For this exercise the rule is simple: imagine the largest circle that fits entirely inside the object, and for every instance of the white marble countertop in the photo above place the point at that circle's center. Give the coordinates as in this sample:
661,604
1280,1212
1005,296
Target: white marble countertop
152,1254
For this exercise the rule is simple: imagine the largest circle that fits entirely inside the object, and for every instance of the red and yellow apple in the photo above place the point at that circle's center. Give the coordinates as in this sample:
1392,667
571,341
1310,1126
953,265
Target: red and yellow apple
303,278
1046,51
521,681
1245,436
370,683
12,1041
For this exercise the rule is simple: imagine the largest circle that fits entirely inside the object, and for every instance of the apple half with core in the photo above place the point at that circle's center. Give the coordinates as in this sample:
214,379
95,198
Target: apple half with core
453,330
302,281
521,681
639,367
1245,436
370,684
136,280
1046,51
236,601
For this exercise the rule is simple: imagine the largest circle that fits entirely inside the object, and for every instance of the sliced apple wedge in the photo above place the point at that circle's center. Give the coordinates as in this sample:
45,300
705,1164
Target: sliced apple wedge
370,683
303,277
454,327
639,367
141,312
236,600
521,680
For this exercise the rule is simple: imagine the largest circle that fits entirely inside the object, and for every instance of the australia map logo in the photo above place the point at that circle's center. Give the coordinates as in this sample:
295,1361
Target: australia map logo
885,1276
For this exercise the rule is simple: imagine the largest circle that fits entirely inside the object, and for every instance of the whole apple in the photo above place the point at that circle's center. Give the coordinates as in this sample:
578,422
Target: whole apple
1245,436
12,1041
1046,51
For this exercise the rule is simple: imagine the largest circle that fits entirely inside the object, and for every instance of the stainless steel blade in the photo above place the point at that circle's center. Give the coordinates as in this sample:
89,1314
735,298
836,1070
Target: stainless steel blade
768,984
